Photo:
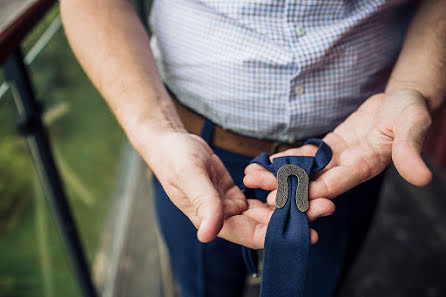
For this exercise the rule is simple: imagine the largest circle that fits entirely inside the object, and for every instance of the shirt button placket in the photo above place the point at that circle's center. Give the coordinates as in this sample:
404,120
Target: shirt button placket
300,31
291,138
299,90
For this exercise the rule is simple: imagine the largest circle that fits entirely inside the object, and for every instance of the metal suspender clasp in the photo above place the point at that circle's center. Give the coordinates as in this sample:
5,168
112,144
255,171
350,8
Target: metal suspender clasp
302,186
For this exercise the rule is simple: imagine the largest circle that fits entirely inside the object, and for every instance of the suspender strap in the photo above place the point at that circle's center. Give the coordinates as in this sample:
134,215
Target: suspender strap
287,239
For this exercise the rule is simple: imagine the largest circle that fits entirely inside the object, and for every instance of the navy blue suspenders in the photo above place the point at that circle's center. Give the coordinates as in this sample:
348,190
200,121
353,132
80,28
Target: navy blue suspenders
287,239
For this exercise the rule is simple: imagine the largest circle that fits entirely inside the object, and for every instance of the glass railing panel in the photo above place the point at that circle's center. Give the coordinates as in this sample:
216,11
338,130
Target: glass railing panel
32,256
86,142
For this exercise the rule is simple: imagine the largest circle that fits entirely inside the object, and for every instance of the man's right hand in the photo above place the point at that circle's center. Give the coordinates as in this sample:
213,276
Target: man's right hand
196,181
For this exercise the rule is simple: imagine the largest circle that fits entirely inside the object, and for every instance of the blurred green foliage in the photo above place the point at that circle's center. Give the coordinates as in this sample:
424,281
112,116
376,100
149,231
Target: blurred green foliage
14,184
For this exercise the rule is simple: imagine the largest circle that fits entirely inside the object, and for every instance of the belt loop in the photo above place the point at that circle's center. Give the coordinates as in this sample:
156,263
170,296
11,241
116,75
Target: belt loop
275,147
207,131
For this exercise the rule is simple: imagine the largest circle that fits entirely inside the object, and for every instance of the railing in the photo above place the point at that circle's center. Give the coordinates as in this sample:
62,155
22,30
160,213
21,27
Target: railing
33,128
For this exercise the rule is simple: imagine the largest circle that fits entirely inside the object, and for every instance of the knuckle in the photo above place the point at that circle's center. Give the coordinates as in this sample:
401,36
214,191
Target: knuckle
422,116
198,203
325,189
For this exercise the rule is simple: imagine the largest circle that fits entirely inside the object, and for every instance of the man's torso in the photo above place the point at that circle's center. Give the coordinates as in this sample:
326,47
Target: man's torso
277,69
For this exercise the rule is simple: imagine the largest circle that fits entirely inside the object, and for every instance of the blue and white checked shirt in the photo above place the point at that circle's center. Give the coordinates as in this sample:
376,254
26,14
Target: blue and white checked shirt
277,69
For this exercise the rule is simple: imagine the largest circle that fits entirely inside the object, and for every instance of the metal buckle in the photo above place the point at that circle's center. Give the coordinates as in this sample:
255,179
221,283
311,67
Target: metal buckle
302,186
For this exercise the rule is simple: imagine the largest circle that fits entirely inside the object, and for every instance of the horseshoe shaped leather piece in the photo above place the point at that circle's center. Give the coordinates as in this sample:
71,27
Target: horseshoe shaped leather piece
302,187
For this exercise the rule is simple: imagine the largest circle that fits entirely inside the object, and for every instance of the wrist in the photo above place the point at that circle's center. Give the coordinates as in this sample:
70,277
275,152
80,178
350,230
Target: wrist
404,90
433,99
148,117
145,133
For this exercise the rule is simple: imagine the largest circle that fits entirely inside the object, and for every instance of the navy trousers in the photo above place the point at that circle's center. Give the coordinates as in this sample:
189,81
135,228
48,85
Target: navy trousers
217,268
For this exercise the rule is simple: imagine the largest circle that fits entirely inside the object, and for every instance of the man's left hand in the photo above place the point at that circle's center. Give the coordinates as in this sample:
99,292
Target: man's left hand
386,127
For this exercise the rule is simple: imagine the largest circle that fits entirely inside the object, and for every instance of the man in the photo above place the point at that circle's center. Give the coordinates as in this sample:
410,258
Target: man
271,73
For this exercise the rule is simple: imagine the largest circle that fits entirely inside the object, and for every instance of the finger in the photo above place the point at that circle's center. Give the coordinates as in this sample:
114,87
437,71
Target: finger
219,175
305,150
258,211
338,180
263,215
244,230
320,207
271,198
258,176
314,237
206,202
407,147
234,202
410,165
249,229
260,179
254,167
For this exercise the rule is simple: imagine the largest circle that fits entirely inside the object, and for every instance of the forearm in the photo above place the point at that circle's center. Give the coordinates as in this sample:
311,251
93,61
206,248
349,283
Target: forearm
421,65
113,48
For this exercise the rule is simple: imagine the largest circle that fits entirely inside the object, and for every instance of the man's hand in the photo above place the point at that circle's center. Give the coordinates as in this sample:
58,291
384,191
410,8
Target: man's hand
386,127
197,182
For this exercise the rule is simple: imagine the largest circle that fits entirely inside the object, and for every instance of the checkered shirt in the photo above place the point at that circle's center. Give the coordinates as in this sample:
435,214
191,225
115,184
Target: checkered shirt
277,69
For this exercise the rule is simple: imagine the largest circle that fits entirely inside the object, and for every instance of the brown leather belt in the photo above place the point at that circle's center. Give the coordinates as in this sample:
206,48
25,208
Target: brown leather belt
228,140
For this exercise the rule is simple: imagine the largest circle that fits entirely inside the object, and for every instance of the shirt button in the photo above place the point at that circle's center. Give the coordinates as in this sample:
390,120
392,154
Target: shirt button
300,31
291,138
299,90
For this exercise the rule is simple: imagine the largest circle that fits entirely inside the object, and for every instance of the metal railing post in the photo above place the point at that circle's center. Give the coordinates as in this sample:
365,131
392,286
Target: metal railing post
32,127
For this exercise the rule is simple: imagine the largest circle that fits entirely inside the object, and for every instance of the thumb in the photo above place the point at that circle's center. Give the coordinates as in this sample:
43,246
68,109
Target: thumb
207,204
410,134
